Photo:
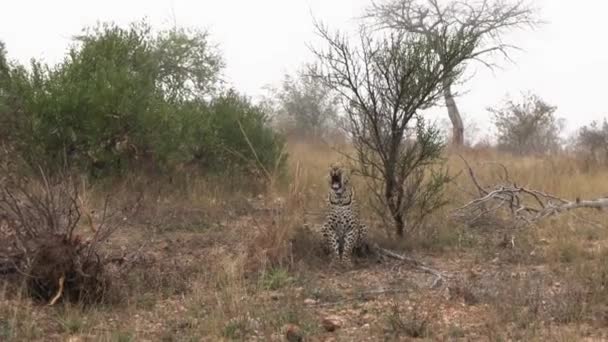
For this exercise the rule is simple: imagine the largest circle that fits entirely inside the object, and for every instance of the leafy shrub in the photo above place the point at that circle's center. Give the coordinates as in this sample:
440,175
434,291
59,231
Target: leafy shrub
231,133
126,97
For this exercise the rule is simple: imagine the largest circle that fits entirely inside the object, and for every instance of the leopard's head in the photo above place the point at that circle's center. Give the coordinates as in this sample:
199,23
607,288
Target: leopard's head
339,182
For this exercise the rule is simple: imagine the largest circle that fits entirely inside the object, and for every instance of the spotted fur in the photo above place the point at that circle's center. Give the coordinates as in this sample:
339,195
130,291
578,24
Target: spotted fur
342,230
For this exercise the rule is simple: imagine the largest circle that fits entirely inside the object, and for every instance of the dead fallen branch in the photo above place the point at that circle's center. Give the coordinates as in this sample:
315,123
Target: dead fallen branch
440,277
524,204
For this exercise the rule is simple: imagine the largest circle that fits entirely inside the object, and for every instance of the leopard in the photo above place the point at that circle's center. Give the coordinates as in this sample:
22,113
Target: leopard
342,230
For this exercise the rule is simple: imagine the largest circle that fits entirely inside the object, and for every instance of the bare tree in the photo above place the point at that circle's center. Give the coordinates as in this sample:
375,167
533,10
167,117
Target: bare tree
384,82
480,22
591,141
305,105
528,126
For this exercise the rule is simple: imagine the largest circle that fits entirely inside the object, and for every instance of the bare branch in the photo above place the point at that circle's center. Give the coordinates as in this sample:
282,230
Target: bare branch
526,205
440,277
40,238
479,25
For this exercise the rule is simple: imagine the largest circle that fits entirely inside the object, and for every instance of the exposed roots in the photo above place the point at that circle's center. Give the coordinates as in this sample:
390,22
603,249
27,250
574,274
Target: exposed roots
60,271
44,240
59,291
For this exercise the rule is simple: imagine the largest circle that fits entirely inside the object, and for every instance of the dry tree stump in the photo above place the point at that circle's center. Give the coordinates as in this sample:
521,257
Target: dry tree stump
43,238
61,271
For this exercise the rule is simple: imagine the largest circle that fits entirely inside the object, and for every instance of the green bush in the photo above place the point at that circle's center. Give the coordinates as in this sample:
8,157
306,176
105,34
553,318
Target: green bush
123,97
226,133
242,130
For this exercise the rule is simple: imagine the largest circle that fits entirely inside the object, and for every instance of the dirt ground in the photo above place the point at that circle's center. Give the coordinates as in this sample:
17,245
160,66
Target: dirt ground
192,285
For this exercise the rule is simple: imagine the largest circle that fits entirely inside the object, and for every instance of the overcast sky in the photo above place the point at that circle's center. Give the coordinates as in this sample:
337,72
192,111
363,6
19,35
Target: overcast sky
564,61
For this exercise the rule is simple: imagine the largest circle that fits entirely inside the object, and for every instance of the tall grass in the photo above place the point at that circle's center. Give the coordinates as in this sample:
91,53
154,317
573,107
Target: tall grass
257,239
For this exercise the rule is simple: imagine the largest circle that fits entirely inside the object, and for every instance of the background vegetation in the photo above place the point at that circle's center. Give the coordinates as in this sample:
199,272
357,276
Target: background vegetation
195,208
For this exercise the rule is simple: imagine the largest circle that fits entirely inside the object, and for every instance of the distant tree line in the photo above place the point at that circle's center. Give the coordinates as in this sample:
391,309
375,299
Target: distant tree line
529,126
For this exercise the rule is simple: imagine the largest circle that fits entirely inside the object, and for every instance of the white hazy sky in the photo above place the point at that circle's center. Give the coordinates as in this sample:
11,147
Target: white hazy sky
564,61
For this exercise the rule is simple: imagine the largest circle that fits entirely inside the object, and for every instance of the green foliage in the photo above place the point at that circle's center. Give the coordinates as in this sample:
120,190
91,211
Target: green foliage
4,68
275,279
5,330
237,329
122,336
4,91
188,66
241,129
126,97
227,132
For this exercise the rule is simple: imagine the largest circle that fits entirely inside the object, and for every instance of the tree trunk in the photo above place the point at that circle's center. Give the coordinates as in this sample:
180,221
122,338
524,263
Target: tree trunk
394,208
454,114
399,224
392,194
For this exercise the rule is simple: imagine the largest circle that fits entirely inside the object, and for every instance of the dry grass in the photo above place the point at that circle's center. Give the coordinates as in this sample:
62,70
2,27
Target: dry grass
229,263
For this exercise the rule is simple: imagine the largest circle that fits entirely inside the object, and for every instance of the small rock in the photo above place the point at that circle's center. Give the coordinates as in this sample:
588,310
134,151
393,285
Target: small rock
293,333
310,301
276,295
332,323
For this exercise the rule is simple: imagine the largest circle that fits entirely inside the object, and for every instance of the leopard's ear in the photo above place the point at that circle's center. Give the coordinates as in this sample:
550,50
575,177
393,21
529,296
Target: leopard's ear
348,171
330,172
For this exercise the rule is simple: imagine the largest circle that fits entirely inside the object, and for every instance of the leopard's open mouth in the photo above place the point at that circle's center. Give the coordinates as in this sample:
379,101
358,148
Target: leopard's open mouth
336,183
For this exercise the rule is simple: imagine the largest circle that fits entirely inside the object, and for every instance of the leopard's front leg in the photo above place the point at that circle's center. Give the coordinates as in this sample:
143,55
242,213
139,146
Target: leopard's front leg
330,240
347,251
362,238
